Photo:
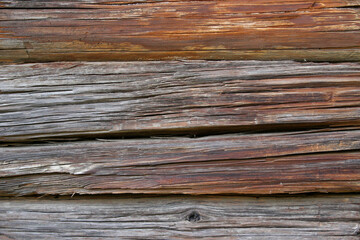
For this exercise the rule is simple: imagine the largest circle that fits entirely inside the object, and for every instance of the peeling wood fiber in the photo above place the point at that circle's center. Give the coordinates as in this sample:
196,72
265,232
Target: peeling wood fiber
137,99
293,162
98,30
247,127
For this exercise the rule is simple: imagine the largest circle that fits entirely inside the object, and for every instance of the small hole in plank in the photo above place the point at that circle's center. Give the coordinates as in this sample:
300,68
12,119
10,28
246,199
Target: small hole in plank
194,216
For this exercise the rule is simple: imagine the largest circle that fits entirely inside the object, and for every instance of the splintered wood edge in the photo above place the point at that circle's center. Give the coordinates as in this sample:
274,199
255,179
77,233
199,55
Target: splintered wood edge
81,100
283,163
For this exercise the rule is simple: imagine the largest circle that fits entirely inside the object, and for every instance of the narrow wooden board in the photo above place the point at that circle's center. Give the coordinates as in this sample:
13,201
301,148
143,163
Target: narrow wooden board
322,30
324,217
68,100
294,162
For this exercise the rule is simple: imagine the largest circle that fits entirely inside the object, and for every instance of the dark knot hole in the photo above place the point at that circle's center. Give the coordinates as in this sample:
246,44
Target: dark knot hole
194,216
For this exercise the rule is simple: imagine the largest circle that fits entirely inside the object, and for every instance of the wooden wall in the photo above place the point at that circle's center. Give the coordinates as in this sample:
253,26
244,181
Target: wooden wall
161,119
49,30
182,217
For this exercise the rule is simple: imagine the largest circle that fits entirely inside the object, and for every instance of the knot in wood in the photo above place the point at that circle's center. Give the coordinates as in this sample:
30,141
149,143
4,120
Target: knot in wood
193,216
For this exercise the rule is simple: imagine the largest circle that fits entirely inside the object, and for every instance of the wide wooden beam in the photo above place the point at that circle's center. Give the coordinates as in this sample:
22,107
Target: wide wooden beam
96,100
291,162
322,30
321,217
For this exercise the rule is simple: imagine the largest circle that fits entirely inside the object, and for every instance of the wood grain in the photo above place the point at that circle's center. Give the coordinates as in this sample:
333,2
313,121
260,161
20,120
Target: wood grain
292,162
96,100
234,127
95,30
313,217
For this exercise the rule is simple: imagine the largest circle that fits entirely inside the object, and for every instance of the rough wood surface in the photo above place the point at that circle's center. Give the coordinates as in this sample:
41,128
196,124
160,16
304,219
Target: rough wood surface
293,162
313,217
68,100
322,30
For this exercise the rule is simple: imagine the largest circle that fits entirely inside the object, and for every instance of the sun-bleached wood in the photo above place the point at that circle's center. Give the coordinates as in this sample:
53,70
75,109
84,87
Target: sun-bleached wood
92,100
102,30
324,217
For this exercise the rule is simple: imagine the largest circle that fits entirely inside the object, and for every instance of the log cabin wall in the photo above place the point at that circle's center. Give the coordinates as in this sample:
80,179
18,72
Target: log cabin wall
103,30
179,119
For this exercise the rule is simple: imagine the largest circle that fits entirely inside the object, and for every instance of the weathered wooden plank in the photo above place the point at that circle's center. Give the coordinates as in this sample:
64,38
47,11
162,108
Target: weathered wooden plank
322,30
313,217
59,100
293,162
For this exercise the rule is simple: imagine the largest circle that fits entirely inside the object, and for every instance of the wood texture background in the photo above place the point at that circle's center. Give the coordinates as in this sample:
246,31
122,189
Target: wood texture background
242,164
290,128
88,100
312,217
129,136
95,30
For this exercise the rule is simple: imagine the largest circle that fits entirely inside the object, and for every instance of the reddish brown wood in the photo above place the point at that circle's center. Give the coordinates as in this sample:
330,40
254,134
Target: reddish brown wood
292,162
324,30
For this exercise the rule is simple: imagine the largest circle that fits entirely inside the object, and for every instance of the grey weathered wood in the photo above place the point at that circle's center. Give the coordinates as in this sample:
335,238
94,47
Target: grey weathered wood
90,101
291,162
313,217
58,100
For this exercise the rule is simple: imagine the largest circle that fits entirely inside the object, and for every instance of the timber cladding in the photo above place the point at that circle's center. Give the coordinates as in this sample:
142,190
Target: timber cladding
322,30
161,119
194,127
178,217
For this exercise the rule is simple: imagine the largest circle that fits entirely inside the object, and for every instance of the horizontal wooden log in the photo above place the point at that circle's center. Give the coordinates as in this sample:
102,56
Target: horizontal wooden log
322,30
69,100
293,162
313,217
